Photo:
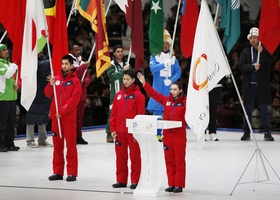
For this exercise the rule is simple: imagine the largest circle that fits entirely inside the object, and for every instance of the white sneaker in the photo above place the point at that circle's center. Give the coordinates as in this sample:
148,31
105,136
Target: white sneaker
32,144
213,137
45,144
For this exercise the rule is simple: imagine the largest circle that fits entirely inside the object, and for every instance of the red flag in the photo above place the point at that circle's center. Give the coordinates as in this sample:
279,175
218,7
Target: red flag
270,24
12,16
94,11
56,19
133,15
188,26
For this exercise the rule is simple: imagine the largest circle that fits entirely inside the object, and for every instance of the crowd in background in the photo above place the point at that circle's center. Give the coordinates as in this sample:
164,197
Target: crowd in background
97,105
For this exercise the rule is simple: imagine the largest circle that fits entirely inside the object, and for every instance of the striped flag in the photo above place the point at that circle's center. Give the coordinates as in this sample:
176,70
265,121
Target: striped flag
208,66
94,11
34,39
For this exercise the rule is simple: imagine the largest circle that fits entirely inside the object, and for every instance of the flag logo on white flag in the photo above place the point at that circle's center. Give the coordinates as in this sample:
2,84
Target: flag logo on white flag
200,82
208,66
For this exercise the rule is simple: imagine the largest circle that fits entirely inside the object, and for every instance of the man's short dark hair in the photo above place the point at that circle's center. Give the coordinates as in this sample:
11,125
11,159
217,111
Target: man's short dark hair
116,47
69,58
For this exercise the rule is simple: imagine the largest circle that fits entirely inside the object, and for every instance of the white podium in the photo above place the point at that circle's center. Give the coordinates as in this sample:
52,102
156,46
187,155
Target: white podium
144,129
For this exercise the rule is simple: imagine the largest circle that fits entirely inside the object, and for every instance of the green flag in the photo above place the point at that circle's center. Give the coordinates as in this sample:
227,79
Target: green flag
230,22
156,27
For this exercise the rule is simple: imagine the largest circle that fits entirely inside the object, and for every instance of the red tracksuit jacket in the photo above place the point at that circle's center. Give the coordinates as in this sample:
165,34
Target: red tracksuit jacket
126,105
173,110
68,91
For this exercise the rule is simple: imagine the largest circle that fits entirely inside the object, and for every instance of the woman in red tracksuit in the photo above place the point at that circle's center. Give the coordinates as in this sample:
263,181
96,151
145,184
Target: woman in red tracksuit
175,139
127,103
68,92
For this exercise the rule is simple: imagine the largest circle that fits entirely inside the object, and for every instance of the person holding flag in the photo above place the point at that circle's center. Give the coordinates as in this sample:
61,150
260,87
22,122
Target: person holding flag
81,70
8,97
255,63
166,70
68,91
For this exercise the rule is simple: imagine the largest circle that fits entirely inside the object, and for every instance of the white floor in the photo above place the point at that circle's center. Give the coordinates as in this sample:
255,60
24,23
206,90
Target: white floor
212,172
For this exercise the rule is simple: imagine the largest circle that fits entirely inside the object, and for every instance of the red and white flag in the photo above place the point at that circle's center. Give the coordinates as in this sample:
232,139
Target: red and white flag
208,66
34,39
133,16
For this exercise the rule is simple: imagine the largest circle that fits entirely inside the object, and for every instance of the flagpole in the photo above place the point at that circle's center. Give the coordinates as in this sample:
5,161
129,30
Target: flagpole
216,14
71,11
4,34
129,53
174,32
258,58
173,38
108,7
90,56
52,74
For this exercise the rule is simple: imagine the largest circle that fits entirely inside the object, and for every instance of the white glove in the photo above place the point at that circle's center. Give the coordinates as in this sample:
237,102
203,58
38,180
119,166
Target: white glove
167,82
168,63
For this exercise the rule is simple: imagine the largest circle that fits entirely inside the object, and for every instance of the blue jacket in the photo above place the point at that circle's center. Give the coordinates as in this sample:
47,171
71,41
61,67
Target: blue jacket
159,74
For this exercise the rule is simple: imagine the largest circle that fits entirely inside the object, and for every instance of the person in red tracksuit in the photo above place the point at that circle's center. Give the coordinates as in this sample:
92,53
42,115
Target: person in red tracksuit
68,93
175,139
127,103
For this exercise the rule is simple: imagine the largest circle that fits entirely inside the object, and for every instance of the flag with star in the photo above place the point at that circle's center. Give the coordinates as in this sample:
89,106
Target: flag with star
156,27
94,11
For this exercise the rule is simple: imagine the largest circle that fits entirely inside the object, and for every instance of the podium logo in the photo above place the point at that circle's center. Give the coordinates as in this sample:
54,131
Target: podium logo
149,127
134,125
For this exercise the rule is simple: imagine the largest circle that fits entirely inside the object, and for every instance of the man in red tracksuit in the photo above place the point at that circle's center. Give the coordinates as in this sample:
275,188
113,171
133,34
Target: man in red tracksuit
127,103
68,93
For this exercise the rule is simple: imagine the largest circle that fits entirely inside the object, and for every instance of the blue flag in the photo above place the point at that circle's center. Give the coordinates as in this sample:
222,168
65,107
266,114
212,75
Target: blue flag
230,22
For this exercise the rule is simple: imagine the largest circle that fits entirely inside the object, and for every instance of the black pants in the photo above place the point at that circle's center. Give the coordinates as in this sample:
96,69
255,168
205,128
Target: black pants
7,123
214,97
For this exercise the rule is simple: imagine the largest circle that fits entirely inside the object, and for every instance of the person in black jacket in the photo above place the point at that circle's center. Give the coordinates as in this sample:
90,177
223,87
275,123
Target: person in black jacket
255,63
38,113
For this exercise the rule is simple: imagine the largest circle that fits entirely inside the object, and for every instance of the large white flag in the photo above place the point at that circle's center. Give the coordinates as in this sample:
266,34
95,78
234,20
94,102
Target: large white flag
208,66
34,39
